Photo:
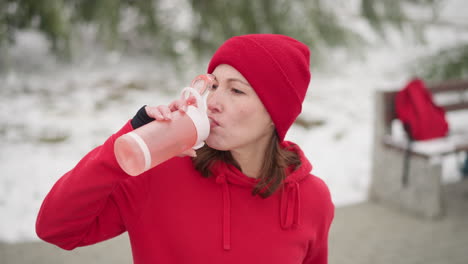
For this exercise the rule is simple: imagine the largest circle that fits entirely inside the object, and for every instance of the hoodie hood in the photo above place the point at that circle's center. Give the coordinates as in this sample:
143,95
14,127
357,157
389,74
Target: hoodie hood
227,174
236,177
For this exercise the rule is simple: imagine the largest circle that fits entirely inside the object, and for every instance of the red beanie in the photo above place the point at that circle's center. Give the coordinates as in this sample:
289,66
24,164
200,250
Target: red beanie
276,66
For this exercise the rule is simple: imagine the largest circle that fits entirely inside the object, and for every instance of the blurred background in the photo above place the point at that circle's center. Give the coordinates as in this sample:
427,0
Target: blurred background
72,72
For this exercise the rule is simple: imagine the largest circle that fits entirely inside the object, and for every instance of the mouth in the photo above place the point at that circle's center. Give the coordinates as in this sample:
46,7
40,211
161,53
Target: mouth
213,122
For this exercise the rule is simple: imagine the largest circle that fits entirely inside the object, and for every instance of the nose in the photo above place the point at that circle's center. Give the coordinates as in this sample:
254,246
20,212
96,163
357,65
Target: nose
214,101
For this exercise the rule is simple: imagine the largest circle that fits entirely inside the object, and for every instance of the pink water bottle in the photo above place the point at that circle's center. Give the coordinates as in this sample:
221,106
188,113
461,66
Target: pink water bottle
158,141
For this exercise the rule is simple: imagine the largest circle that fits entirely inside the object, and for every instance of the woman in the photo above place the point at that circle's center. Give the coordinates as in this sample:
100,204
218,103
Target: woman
246,197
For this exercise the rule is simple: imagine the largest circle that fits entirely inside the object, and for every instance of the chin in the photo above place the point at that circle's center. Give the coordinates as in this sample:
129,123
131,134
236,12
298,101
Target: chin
216,144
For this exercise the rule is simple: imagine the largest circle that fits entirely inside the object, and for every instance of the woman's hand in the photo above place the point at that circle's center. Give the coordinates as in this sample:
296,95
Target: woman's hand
164,113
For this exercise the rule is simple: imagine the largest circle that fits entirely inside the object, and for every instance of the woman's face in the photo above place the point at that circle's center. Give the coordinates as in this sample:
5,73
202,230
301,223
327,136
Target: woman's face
237,116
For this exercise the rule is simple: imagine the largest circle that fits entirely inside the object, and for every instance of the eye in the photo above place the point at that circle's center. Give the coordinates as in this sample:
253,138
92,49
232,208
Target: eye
237,91
214,87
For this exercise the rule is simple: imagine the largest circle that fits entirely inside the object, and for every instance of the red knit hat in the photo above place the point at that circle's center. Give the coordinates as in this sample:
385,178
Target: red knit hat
276,66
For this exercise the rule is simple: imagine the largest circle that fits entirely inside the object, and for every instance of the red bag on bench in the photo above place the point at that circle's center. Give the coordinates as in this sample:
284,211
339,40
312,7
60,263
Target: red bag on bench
421,117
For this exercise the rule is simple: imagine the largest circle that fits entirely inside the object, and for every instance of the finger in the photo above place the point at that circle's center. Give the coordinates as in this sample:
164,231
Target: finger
176,105
154,113
172,106
166,112
190,152
181,106
183,109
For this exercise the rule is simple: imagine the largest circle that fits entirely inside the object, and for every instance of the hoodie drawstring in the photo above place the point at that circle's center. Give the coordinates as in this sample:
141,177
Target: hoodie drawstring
290,207
290,200
221,179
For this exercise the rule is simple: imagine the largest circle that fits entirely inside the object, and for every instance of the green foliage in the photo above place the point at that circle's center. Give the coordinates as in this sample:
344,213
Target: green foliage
45,15
382,13
108,14
315,22
448,63
312,22
385,14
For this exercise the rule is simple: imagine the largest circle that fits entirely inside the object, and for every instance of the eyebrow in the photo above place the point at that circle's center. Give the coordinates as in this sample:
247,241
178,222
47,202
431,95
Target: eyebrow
238,80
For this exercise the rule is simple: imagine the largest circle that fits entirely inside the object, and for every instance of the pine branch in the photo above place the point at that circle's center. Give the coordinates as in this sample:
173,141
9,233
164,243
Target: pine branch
425,22
447,63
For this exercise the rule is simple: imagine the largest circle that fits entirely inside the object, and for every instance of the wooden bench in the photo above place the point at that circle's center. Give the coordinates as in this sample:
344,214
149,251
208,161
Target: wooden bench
421,194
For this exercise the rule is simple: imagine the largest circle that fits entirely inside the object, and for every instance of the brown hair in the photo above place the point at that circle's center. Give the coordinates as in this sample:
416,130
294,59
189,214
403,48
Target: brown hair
272,173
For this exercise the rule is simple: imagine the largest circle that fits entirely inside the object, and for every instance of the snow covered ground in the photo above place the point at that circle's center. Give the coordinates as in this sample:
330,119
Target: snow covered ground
52,116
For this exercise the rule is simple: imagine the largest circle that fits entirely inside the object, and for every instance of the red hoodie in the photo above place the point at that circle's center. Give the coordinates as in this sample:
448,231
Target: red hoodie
174,215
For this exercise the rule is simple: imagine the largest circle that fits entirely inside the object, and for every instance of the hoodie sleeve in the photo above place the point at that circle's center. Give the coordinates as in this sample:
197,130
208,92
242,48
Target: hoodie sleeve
82,208
318,247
